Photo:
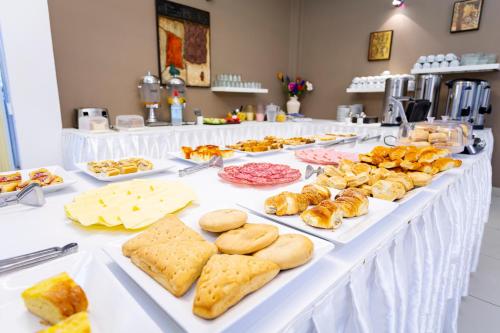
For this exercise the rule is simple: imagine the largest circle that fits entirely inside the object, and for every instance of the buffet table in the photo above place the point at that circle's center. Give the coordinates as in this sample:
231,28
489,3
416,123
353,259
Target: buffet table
406,274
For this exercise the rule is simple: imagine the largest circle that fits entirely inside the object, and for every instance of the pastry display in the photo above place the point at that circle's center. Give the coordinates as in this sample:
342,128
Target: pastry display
259,174
226,279
247,239
451,135
255,146
389,173
77,323
205,153
114,168
167,228
175,264
223,220
324,156
14,181
288,251
298,141
134,204
55,299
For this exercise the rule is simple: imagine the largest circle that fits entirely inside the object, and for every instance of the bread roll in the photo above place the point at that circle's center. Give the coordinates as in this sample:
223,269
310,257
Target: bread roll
288,251
438,137
223,220
419,135
388,190
247,239
226,279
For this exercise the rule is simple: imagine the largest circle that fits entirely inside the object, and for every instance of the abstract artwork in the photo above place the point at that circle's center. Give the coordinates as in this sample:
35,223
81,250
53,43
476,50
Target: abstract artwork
466,15
380,45
183,41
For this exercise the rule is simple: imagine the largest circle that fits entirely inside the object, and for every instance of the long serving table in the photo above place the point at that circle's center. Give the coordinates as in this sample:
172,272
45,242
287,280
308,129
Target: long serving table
406,274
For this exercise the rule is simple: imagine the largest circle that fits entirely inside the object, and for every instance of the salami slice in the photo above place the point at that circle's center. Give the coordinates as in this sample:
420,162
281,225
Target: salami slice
259,174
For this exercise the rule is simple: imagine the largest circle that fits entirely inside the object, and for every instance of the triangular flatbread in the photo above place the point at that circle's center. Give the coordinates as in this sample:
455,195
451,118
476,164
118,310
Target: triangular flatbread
164,230
176,264
226,279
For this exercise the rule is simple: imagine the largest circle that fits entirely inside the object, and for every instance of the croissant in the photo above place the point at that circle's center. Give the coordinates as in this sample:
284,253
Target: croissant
286,203
366,189
357,180
326,216
445,163
404,179
316,193
428,168
360,202
420,178
337,182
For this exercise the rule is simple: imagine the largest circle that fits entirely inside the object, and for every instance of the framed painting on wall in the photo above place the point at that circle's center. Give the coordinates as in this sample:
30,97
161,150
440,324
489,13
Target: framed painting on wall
380,45
466,15
183,41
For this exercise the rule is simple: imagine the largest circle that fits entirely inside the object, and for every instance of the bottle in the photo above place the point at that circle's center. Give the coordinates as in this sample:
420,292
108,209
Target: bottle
176,110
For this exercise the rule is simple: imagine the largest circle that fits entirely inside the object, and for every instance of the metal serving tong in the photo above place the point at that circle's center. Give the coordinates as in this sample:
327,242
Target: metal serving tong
342,141
31,195
368,138
215,161
36,258
311,171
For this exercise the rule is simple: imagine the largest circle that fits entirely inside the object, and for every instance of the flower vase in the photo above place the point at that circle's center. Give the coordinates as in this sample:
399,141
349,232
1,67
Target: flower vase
293,105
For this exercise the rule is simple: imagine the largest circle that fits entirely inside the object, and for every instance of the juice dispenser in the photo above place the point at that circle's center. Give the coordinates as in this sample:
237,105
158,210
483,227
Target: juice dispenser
149,90
176,96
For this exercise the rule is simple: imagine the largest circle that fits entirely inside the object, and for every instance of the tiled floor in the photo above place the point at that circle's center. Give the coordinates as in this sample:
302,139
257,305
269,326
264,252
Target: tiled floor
480,311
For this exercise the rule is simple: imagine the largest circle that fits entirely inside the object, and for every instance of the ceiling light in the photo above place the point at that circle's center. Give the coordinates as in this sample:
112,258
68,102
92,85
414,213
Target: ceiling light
398,3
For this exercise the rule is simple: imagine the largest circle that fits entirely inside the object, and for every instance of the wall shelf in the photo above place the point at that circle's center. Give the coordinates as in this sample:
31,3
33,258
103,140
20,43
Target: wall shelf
459,69
365,90
239,90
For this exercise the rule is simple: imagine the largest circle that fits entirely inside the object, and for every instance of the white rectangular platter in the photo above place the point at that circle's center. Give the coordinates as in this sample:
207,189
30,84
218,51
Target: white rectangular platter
68,179
111,308
180,309
179,155
158,166
259,153
349,230
299,147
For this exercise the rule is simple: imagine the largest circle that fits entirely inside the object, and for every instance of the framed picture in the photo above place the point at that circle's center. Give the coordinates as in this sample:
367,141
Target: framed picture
183,41
380,45
466,15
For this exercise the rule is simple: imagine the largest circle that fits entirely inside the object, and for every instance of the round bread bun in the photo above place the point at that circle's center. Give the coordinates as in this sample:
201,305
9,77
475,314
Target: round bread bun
223,220
288,251
247,239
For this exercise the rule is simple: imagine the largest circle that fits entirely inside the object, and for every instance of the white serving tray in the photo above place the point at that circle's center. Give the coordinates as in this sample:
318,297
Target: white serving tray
68,179
158,166
299,147
260,153
331,142
179,155
180,309
111,308
349,230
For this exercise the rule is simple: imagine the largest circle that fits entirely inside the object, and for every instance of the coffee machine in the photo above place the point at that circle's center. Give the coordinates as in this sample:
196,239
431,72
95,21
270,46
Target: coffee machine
468,100
428,88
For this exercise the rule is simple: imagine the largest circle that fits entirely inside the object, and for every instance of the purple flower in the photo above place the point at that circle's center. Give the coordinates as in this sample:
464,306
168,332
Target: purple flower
292,86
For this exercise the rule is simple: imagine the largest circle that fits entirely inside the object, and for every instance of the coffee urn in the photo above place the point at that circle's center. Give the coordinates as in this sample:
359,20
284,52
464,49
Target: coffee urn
428,88
395,87
461,99
482,105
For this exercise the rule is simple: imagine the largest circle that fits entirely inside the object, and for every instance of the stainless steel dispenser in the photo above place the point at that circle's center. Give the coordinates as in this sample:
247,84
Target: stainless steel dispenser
428,88
395,87
482,105
461,99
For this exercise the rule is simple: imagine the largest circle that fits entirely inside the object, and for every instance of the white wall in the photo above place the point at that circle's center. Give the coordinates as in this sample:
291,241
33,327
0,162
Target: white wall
25,29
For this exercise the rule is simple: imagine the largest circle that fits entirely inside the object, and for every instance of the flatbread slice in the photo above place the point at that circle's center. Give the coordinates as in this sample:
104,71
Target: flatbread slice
226,279
176,264
164,230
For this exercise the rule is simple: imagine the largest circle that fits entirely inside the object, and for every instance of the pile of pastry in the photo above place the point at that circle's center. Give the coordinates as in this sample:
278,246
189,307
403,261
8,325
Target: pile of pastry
205,153
244,257
61,302
388,173
298,141
13,182
114,168
326,213
269,143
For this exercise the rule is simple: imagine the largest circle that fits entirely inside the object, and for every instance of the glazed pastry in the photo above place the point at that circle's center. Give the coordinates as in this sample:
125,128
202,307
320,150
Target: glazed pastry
420,178
357,180
337,182
365,158
365,189
446,163
288,251
388,164
428,168
316,193
352,208
286,203
226,279
346,166
404,179
410,165
397,153
387,190
327,215
331,170
55,299
359,168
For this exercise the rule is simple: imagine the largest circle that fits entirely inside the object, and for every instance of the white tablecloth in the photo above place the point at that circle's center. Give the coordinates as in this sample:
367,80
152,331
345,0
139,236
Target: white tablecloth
406,274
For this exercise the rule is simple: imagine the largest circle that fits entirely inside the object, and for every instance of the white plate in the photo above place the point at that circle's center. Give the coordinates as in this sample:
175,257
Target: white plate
158,166
111,308
349,230
179,155
298,147
260,153
180,309
68,179
330,142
